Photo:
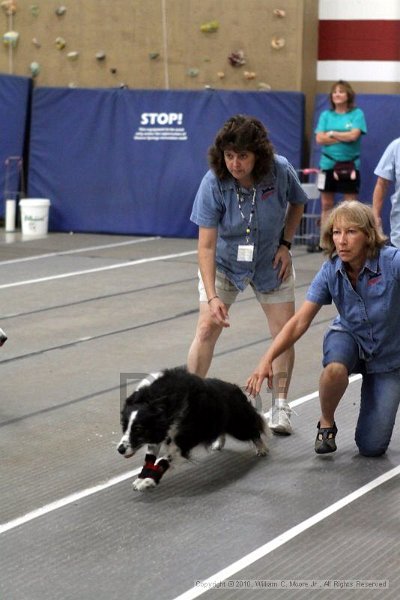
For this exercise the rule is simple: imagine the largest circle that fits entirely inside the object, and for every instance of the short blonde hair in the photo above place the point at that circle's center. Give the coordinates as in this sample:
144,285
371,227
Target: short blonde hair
355,213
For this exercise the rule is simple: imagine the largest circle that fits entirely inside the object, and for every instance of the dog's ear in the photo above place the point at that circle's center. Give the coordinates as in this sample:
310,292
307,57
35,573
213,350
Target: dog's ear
156,409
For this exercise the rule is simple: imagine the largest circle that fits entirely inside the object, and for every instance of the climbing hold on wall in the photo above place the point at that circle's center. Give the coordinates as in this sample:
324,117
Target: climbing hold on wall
193,72
9,7
60,43
249,75
237,58
36,42
73,55
264,86
60,11
100,55
220,74
113,70
10,38
34,69
153,55
277,42
279,12
209,27
34,10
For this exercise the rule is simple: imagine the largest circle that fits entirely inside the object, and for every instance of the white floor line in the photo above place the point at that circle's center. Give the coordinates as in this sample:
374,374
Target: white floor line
131,263
44,510
34,514
77,250
284,537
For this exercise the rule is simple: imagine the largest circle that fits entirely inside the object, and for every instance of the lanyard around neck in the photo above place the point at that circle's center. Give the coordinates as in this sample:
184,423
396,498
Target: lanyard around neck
240,200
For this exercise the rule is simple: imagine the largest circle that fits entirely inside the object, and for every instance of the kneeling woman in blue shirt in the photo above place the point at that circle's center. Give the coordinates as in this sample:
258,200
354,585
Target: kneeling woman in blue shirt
248,207
362,278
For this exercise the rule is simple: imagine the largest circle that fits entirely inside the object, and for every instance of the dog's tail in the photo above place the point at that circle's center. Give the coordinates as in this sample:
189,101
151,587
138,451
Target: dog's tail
245,422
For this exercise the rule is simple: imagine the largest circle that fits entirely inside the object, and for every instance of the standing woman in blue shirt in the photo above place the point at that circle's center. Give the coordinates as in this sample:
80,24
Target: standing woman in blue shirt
339,132
362,278
248,207
388,171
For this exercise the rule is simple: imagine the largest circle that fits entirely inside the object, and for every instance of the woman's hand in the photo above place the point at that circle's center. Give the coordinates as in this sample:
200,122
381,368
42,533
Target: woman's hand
263,371
283,257
219,312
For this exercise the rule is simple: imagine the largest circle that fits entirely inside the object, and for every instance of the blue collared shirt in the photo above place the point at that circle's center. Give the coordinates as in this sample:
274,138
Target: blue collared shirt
371,312
216,205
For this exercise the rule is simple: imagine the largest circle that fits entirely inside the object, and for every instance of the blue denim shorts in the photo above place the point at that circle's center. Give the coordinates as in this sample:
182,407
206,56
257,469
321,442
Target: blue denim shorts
341,347
380,393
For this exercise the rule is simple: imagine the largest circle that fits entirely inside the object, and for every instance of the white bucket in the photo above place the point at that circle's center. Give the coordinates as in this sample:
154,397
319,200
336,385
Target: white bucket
34,216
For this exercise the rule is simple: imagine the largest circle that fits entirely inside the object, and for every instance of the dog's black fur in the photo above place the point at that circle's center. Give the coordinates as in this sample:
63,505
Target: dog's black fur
179,411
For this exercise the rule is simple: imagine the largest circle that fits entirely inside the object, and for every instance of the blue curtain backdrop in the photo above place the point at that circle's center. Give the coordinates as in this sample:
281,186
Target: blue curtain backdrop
14,109
382,114
130,161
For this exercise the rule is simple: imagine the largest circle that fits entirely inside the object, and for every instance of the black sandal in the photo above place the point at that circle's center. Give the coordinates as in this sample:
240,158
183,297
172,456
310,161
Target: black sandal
325,440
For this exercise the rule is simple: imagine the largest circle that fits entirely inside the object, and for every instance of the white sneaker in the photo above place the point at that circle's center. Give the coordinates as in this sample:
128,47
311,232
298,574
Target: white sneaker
279,421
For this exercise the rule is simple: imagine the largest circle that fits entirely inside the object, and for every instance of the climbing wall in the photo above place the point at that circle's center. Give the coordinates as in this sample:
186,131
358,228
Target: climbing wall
162,44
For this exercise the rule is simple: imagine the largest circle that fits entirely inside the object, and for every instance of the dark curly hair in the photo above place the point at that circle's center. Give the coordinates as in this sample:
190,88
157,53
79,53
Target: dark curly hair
241,133
351,95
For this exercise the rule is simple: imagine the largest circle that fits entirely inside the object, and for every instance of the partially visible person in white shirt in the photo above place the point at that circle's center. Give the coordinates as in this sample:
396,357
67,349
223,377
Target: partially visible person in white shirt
388,171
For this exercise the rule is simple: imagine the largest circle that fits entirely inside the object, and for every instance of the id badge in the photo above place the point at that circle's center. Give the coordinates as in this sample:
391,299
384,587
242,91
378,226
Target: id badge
245,252
321,178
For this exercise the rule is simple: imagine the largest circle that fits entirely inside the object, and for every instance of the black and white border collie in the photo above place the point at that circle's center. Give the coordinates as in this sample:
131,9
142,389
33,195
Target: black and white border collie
174,411
3,337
